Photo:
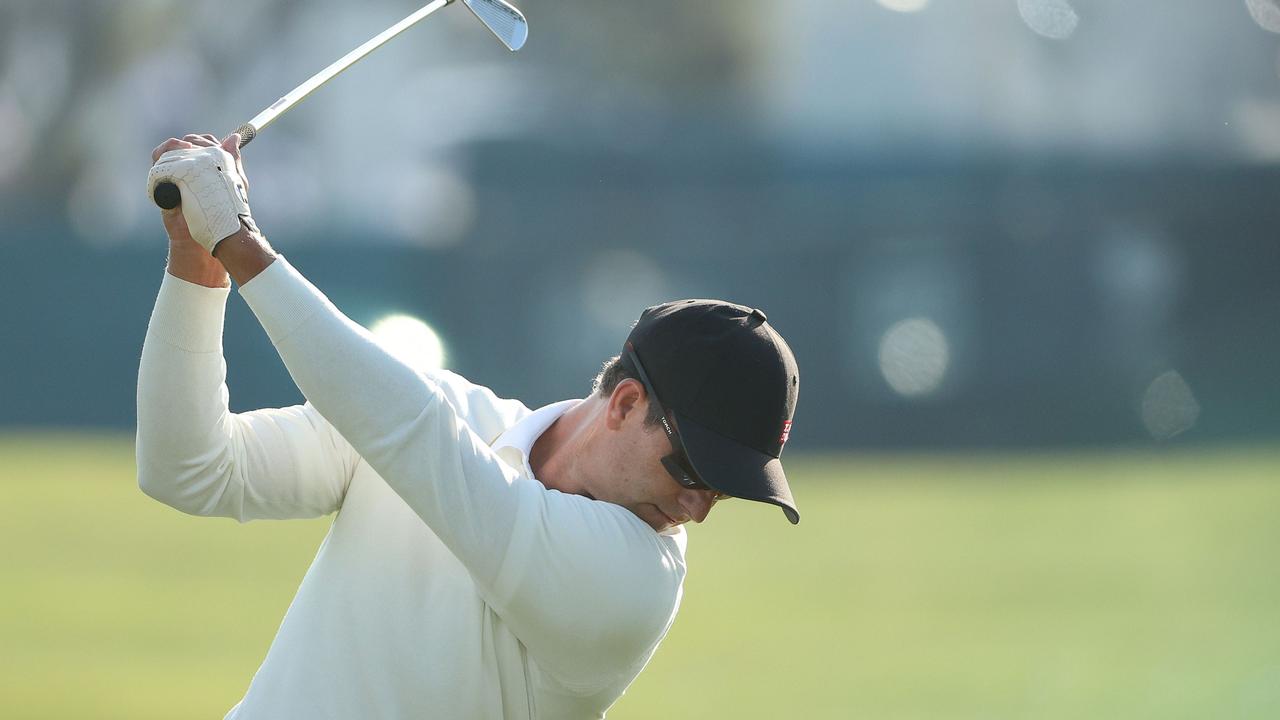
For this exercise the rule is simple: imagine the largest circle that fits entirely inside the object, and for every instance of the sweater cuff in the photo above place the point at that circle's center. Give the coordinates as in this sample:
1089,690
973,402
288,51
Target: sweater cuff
189,316
282,299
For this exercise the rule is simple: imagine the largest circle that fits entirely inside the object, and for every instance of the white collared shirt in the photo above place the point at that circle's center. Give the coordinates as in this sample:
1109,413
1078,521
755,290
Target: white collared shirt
452,583
515,444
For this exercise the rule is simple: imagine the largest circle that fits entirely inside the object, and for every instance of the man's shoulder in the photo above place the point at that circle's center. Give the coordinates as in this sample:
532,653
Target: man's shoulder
477,405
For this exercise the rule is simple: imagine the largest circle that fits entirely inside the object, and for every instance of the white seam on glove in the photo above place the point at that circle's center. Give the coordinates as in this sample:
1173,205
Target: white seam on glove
213,195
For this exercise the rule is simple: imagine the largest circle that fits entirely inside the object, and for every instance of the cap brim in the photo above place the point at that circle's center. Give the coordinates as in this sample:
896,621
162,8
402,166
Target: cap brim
735,469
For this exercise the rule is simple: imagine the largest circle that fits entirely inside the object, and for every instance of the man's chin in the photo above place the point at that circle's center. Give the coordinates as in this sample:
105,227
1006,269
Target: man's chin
652,516
662,521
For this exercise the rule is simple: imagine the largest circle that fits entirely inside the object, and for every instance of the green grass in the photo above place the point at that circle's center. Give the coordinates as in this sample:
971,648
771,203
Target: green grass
1091,586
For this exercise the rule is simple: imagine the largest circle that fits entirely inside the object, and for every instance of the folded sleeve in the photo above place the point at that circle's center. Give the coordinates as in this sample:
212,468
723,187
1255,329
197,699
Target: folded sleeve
587,586
195,455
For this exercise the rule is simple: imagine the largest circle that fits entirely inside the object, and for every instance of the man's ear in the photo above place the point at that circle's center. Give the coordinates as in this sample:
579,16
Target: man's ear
628,397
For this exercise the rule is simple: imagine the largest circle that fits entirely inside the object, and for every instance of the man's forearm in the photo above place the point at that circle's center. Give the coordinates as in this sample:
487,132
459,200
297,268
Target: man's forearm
188,261
183,421
244,254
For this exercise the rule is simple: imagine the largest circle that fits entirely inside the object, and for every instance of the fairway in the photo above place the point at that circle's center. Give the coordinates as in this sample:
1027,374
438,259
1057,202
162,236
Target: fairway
1113,585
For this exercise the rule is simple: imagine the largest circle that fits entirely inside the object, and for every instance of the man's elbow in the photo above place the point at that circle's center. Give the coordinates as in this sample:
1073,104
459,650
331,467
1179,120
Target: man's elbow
160,485
186,490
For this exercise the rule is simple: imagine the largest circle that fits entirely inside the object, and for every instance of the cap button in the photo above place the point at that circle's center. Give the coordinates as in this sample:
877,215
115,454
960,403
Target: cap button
758,313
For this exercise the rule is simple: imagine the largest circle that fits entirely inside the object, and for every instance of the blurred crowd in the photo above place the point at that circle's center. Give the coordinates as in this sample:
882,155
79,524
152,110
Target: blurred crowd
1006,221
86,89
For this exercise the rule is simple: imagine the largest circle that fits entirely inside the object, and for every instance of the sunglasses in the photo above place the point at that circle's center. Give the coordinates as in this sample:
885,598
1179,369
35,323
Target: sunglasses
677,462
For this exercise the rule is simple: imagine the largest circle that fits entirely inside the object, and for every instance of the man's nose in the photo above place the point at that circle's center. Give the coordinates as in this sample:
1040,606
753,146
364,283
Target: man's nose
697,503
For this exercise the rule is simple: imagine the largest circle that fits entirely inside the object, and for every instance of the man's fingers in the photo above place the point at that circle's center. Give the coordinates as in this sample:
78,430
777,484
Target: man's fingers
231,144
166,146
201,140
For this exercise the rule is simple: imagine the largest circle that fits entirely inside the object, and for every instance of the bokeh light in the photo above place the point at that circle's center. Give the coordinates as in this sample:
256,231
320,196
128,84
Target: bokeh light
411,340
1169,407
914,356
1054,19
1266,13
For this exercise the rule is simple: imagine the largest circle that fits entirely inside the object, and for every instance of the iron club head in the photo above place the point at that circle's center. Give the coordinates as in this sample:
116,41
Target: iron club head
503,20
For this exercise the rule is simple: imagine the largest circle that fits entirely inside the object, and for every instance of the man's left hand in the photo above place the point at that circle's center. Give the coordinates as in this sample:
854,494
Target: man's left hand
211,180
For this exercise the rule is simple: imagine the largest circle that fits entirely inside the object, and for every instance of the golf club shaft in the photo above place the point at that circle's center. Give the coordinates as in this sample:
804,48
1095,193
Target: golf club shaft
166,194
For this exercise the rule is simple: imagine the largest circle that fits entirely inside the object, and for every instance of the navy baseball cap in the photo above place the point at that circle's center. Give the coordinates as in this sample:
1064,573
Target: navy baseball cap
731,382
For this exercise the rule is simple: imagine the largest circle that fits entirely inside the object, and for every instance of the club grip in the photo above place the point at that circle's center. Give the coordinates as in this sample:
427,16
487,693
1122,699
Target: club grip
247,134
166,194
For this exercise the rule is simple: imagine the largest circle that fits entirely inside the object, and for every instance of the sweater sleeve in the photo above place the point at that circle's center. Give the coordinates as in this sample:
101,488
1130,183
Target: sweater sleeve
587,586
195,455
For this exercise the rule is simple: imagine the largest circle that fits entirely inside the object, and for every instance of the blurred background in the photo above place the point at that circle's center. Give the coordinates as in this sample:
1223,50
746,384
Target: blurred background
1024,251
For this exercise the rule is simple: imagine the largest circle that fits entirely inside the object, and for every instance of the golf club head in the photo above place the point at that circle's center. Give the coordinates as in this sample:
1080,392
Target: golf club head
502,19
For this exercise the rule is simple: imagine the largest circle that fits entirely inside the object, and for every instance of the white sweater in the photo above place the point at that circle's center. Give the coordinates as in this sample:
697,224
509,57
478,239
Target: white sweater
452,584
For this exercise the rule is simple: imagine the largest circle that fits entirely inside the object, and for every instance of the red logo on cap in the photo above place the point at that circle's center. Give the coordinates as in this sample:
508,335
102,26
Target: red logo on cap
786,433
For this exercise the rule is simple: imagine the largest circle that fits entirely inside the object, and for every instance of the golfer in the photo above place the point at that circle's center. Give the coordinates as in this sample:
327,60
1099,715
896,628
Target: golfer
486,560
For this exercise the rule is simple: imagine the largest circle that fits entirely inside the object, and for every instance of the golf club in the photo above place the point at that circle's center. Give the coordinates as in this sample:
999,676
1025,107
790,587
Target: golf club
503,20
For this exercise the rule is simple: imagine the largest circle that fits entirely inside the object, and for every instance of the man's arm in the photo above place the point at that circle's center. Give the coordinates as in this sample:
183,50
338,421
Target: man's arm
195,455
586,585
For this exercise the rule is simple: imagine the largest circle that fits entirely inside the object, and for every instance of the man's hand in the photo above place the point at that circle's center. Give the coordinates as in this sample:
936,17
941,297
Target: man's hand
188,260
210,177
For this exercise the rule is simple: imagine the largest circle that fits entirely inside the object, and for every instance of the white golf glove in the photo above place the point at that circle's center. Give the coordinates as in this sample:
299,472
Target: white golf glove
214,198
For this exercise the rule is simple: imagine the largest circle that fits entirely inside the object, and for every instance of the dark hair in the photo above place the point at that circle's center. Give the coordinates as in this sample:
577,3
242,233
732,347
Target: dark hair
615,371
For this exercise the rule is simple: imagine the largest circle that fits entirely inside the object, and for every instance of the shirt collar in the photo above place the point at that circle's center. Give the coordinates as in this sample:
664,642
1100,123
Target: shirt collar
515,443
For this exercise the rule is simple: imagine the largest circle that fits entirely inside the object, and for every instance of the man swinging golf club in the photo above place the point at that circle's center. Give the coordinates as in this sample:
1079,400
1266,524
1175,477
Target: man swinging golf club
486,560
